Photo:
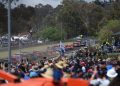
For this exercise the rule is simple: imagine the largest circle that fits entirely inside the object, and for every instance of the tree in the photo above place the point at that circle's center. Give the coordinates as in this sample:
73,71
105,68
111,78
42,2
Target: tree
106,32
75,17
21,18
112,10
41,11
105,35
91,15
69,18
78,17
51,33
113,25
98,2
3,19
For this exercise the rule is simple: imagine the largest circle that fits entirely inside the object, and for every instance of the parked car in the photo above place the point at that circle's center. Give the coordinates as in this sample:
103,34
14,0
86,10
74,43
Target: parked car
39,41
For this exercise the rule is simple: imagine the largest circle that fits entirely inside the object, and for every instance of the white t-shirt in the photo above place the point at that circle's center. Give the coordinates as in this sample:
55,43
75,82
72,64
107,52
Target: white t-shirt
100,82
83,69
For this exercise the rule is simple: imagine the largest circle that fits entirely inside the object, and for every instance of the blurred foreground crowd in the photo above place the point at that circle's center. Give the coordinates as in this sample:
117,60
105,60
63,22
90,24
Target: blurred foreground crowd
99,72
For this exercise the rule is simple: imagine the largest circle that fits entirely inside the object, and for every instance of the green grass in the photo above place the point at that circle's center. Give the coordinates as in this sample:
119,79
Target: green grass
4,54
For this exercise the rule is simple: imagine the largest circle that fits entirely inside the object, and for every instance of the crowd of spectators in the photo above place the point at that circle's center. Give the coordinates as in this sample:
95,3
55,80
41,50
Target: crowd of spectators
99,72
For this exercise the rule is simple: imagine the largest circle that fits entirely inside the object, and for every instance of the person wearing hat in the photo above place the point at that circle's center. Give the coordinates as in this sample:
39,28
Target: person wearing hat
112,73
48,73
116,80
58,71
60,64
109,66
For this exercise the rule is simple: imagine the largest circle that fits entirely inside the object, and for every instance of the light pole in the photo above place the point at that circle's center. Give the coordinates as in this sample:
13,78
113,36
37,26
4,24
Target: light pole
9,35
19,45
61,32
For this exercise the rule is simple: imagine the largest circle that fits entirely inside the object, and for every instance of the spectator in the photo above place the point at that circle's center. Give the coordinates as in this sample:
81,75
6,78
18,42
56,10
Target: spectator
112,73
101,80
116,80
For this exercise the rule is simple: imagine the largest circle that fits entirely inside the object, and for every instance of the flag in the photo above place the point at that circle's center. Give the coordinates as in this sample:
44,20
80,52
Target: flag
62,47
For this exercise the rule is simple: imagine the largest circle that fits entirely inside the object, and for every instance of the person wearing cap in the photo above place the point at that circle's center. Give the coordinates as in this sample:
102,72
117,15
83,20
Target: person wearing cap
112,73
109,66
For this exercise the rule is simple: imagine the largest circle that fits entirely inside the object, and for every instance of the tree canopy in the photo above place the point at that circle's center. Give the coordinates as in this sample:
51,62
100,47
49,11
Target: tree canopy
106,32
75,17
52,34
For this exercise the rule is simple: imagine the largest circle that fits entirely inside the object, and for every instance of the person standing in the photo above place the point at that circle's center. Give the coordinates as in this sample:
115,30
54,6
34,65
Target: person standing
101,80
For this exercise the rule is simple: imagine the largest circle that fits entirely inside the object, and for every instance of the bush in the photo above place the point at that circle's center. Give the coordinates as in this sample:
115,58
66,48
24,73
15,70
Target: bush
51,33
106,32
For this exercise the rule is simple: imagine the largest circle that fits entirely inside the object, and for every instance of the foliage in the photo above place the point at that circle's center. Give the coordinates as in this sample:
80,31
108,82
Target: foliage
3,19
51,33
106,32
22,18
105,35
113,25
75,17
79,16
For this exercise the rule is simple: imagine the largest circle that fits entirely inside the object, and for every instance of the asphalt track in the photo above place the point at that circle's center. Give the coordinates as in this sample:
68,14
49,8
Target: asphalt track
4,54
